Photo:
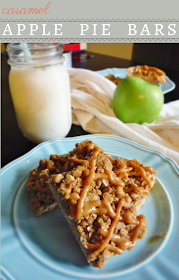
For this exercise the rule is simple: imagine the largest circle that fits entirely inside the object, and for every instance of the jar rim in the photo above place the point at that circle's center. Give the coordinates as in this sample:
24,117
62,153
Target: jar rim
34,54
33,46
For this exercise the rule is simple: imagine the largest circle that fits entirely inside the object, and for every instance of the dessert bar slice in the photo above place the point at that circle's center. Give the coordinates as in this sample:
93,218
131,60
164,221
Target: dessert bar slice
42,199
150,74
100,198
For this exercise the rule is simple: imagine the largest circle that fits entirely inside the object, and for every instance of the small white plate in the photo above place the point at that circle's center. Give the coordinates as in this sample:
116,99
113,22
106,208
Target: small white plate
121,73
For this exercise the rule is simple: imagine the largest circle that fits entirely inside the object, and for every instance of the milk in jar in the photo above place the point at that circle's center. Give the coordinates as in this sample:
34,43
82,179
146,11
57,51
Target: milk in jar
40,92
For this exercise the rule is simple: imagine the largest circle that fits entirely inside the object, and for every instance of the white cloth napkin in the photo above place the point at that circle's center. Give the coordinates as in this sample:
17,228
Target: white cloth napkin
91,98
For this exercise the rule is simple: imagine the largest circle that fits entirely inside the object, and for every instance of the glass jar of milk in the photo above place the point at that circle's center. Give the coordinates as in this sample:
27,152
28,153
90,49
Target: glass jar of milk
40,89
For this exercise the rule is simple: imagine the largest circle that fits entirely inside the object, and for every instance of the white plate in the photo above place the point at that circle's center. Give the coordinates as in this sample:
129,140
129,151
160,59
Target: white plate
121,73
44,248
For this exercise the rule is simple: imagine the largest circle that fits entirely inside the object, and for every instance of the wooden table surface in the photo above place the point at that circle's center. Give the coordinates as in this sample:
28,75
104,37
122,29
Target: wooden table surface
14,144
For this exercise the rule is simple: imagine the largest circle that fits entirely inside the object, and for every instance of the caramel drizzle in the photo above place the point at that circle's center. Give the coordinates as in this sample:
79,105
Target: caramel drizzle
98,206
115,249
129,219
104,207
150,169
91,207
110,232
85,189
136,189
142,172
80,207
114,179
148,70
80,161
109,208
110,176
86,185
109,157
122,162
121,243
118,171
137,230
94,150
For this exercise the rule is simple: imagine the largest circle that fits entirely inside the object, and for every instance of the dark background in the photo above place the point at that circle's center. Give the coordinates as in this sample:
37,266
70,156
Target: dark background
160,55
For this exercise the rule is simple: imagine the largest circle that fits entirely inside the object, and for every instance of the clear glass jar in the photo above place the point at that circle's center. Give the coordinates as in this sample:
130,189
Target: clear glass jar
40,90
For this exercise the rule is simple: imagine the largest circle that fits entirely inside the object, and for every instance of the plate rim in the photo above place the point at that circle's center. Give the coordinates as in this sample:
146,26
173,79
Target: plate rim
170,160
124,272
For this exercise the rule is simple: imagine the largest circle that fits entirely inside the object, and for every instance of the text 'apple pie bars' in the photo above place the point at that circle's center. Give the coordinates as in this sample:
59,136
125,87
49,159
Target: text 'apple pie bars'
100,198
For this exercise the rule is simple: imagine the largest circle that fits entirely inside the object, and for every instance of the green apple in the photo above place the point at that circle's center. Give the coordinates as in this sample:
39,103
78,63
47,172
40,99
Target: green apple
137,101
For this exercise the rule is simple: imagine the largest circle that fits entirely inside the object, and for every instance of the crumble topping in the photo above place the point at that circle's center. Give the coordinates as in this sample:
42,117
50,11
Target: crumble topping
100,198
148,73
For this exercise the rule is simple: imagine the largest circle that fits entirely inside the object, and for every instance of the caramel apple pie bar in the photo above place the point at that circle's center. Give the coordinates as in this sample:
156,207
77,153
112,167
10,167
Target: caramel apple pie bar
100,198
150,74
42,199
